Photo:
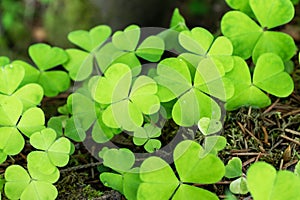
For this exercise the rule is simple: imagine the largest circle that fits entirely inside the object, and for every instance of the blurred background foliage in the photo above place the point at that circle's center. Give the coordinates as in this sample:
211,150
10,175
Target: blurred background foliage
24,22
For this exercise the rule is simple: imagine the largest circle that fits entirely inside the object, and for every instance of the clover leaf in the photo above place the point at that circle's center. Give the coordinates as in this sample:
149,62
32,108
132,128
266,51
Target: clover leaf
120,160
80,63
239,186
89,40
250,39
157,175
127,101
233,168
241,5
56,150
125,48
209,126
175,80
11,77
19,185
201,44
268,72
265,183
144,136
45,58
86,117
177,21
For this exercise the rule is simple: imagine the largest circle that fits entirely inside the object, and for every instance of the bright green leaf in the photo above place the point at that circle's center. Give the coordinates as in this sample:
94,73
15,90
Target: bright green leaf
233,168
47,57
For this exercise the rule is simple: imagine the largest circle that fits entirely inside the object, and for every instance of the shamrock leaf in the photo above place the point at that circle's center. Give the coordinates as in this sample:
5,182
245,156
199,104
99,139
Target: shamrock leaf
268,73
80,63
201,44
10,110
265,183
270,76
120,160
193,103
233,168
209,126
30,95
144,135
246,93
157,175
89,40
214,144
242,5
10,78
127,183
177,21
56,150
53,82
125,48
46,57
256,40
279,12
11,142
239,186
19,185
127,102
127,39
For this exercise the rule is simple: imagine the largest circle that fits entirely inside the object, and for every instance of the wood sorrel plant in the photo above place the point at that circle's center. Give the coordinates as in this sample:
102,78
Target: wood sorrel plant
131,82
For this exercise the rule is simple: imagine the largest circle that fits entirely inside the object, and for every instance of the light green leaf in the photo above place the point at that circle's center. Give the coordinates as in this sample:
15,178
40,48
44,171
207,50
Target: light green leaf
74,130
239,186
127,39
245,94
190,192
279,43
242,5
198,40
192,106
11,141
241,29
10,110
86,114
174,75
143,95
40,162
59,152
151,49
30,95
209,126
152,145
196,169
17,179
35,173
233,168
89,40
47,57
112,180
79,65
265,183
44,139
272,13
269,75
101,133
115,85
39,190
10,78
31,73
119,159
214,144
54,82
156,175
31,121
177,21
